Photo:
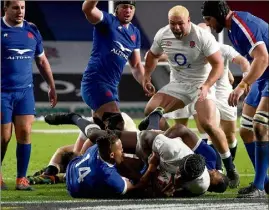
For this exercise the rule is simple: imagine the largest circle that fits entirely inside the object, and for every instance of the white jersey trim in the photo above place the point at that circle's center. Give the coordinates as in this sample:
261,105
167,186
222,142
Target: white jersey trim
125,186
255,45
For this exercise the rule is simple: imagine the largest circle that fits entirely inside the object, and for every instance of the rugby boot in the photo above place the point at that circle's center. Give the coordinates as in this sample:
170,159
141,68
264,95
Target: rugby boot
145,122
251,191
23,184
234,179
60,118
266,187
3,185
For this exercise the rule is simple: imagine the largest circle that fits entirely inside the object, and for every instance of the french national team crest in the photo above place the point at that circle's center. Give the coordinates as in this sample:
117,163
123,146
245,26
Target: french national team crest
30,35
192,44
133,38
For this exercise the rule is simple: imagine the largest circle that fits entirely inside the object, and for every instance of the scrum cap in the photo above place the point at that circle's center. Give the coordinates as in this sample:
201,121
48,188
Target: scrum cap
216,9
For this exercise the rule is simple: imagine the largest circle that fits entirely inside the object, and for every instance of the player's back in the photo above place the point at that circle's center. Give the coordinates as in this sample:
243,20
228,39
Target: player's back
247,31
19,47
113,44
90,176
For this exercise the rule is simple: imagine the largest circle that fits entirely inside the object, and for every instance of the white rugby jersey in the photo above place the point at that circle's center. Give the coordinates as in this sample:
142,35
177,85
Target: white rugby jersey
228,54
187,57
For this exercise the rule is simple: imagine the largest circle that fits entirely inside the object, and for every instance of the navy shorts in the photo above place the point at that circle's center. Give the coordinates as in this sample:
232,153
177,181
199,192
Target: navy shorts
17,102
97,94
258,90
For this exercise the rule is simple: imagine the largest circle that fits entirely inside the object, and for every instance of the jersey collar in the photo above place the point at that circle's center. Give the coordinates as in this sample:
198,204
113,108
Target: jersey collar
5,22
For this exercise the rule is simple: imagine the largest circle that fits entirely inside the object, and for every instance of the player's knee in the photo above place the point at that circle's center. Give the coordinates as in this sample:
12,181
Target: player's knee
246,122
23,134
260,125
113,121
208,127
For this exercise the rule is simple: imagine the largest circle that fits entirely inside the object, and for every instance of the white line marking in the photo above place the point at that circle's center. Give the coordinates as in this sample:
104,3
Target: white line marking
52,131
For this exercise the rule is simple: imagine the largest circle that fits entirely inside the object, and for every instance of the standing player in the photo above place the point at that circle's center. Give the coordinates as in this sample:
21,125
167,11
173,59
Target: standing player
115,41
228,114
188,48
249,35
21,44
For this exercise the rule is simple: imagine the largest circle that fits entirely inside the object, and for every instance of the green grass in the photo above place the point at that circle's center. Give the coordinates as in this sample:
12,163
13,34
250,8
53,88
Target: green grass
43,147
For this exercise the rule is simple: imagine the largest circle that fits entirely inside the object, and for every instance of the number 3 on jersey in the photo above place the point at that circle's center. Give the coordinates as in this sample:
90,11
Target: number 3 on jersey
83,171
181,60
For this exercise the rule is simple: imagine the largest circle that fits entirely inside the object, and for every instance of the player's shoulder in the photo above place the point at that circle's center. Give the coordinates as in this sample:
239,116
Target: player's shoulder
164,31
201,33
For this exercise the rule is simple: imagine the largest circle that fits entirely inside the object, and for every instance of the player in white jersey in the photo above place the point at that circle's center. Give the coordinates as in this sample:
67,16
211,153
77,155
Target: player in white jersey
223,88
190,51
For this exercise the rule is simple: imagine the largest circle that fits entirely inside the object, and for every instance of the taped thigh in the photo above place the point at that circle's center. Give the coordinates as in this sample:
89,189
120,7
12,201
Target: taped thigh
246,122
262,118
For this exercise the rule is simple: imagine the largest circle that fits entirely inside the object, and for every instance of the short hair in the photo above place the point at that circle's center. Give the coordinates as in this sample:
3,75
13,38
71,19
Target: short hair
105,143
221,186
192,166
7,3
66,158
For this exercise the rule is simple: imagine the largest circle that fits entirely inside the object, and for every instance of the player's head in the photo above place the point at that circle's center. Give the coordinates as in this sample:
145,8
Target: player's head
14,11
66,158
218,181
215,13
110,147
124,10
113,121
179,21
191,167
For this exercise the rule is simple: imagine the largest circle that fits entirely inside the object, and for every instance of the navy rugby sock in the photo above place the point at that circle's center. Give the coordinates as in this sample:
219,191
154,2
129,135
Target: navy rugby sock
250,147
23,153
261,163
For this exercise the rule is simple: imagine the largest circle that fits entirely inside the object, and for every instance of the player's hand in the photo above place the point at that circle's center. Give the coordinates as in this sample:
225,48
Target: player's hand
203,92
235,95
52,96
169,189
148,87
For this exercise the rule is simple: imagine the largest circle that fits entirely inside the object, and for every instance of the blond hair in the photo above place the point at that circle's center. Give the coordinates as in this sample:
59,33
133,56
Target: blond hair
178,11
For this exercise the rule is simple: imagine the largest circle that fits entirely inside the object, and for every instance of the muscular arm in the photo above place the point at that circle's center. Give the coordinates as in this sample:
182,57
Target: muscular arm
151,63
136,66
243,63
45,70
259,64
216,62
231,77
92,13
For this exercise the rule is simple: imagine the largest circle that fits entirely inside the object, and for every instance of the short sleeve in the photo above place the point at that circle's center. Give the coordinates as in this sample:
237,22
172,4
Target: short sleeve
210,45
156,47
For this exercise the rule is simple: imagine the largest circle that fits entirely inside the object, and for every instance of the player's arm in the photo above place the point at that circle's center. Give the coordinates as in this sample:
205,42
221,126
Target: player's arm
259,64
137,68
92,13
162,58
44,68
217,65
243,63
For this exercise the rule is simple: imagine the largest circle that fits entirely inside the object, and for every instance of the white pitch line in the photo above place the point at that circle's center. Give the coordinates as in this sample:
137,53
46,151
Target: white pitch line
53,131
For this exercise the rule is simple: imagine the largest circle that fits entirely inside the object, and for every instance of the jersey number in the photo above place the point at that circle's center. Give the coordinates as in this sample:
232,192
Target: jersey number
83,171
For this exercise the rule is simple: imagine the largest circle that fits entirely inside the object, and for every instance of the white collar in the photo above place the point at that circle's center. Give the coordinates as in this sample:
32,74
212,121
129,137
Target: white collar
4,20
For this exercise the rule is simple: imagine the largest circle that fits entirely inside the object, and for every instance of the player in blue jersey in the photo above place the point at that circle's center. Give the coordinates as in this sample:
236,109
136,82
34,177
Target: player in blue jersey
21,44
250,37
115,41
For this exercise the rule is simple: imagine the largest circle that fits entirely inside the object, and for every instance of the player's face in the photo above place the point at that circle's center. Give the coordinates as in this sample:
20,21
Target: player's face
215,177
179,25
117,152
125,13
213,23
15,12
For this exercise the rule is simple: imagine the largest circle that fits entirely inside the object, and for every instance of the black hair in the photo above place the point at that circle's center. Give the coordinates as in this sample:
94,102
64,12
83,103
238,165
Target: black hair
221,186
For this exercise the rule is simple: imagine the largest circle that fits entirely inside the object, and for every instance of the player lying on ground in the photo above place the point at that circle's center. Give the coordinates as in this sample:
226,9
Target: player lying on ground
141,143
53,173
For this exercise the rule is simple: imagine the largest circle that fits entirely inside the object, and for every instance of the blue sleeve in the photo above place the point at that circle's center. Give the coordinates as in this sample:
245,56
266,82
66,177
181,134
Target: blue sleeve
116,182
107,19
138,41
249,36
39,45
